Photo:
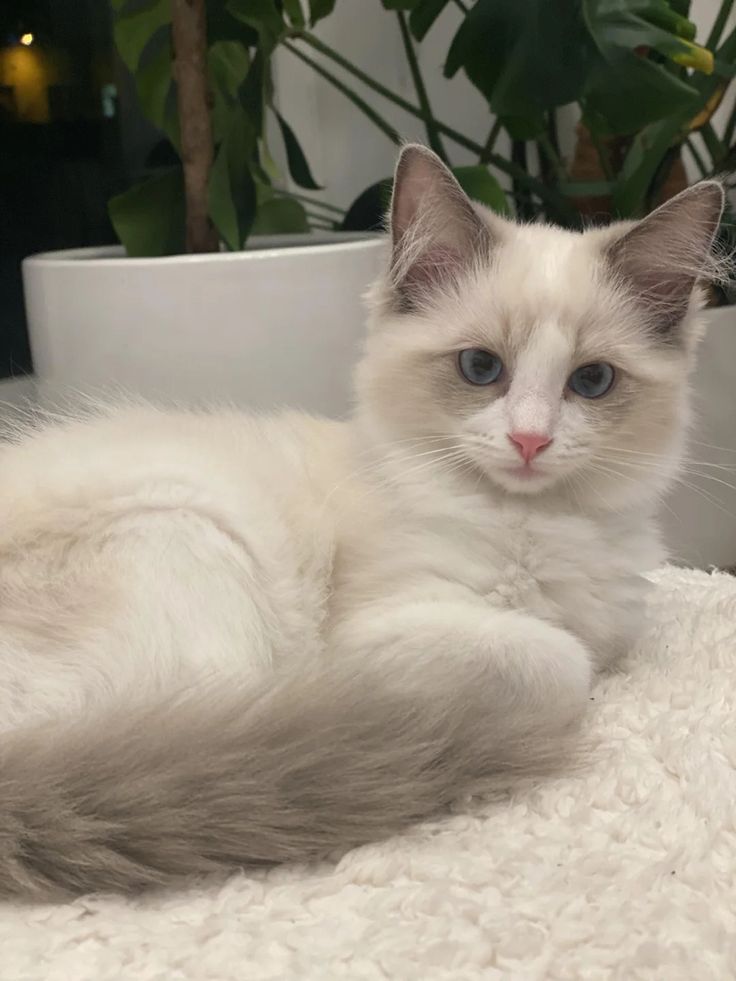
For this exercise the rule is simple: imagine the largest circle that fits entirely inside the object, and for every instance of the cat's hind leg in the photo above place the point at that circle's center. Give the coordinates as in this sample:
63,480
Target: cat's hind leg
146,602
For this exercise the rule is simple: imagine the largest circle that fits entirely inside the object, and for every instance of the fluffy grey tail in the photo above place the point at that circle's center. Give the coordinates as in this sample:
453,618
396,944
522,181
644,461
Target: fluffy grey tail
329,758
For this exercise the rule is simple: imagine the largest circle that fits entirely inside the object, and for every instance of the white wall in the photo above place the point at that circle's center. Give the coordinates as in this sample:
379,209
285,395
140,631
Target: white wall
345,149
703,13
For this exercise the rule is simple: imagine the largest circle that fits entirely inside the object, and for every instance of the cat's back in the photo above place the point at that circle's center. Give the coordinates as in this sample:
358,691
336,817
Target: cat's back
226,460
138,546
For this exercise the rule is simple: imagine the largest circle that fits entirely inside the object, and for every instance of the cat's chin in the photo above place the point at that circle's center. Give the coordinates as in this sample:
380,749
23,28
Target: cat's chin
523,479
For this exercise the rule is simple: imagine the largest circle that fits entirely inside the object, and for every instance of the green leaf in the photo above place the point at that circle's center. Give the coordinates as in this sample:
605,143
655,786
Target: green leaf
149,218
319,9
652,144
480,185
367,212
255,90
724,69
523,56
222,26
298,166
264,17
423,16
626,90
133,31
527,127
232,195
294,12
228,63
587,189
530,56
630,93
280,216
399,4
627,31
642,162
269,170
155,86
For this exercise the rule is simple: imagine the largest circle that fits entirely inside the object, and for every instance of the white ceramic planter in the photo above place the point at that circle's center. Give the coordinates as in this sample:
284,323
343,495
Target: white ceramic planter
700,525
278,324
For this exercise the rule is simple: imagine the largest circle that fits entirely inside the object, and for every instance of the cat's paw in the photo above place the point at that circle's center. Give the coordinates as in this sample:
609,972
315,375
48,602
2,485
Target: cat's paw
546,668
521,662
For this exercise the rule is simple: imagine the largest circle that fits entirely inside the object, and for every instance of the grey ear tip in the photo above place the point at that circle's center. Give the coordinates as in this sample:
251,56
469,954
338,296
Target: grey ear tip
713,186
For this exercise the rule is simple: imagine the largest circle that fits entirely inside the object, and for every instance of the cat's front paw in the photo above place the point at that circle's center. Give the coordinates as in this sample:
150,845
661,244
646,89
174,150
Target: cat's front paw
546,669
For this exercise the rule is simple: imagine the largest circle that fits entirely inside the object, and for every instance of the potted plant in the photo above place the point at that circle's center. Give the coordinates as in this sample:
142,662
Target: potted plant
183,309
265,325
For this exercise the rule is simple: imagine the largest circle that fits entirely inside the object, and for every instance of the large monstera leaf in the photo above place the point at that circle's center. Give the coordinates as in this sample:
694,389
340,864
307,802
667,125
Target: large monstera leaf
627,89
538,54
522,56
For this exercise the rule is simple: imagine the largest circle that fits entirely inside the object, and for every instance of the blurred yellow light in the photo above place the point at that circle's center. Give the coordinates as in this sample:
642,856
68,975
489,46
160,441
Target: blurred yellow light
26,39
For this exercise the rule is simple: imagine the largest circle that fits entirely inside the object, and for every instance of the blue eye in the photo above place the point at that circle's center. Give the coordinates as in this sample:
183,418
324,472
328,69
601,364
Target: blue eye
479,367
592,380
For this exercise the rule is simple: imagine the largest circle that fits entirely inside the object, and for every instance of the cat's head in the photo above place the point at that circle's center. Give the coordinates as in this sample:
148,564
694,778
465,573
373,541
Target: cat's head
544,359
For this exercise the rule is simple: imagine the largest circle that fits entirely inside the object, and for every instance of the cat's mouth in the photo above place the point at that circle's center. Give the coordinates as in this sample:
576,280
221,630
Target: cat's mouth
511,474
524,471
525,478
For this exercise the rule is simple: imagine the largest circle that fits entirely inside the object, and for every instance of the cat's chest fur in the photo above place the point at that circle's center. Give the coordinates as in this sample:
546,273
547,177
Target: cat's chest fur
572,570
580,573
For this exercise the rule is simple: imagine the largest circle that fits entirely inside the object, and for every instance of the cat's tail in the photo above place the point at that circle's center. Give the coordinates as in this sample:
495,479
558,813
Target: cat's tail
328,758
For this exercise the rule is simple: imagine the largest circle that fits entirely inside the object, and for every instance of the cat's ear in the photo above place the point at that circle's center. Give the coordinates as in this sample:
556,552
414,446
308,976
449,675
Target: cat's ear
436,232
665,254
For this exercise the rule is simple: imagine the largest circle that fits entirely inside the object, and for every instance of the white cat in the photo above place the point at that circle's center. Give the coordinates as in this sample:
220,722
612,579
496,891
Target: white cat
227,640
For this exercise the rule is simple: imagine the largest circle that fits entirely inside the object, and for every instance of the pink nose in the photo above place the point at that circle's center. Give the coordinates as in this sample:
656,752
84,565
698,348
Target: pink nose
529,444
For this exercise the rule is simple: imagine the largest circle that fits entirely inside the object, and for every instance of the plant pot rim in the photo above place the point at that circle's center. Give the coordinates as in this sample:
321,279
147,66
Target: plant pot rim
259,247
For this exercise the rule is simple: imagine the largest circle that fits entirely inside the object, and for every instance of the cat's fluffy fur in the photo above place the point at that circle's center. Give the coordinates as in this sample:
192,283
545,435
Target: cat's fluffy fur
227,640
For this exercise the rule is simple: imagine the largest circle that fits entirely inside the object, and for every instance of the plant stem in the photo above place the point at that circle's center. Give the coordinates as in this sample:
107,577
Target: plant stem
361,104
322,226
433,137
695,153
603,158
316,216
729,129
647,147
340,212
719,23
189,33
564,211
713,145
547,149
491,141
552,130
522,195
377,87
461,5
661,176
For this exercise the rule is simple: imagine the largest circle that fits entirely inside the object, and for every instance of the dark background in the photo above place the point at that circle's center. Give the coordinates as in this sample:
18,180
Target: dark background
70,137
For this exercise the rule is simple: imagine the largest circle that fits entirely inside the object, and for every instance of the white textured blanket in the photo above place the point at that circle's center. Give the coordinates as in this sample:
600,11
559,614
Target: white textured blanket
626,870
